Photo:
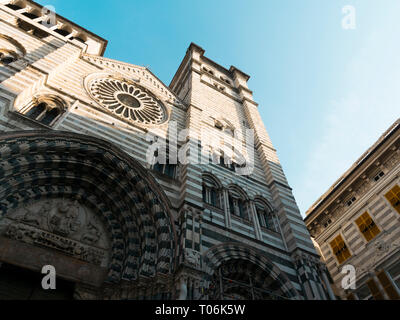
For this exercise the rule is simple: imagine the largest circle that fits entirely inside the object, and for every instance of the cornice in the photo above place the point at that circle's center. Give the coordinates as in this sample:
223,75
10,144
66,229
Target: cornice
373,154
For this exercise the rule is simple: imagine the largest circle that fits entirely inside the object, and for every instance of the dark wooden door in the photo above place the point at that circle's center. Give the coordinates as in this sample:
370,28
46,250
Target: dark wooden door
22,284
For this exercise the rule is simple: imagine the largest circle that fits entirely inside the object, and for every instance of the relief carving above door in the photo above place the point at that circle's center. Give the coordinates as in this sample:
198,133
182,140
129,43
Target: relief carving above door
61,224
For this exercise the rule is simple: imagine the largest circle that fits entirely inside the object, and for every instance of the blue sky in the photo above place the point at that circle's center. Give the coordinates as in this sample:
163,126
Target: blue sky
325,93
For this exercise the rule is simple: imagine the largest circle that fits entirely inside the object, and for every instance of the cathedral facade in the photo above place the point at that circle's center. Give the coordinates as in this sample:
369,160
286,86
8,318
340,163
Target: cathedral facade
133,189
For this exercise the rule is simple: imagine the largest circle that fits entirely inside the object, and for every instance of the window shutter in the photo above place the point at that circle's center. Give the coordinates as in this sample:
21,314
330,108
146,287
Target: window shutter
393,196
340,250
367,226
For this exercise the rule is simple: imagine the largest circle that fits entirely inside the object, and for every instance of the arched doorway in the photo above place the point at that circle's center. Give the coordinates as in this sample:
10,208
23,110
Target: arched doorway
238,272
90,210
239,279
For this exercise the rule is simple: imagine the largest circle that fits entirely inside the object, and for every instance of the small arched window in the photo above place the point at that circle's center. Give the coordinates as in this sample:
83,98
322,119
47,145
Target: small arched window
265,216
46,110
7,57
10,50
212,193
238,204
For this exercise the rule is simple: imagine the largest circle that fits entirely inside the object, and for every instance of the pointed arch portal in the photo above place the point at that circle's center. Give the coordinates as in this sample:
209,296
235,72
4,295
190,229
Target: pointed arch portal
237,271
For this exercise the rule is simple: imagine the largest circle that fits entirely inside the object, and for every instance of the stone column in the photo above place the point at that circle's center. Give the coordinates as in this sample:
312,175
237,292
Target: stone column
256,223
327,285
225,195
183,289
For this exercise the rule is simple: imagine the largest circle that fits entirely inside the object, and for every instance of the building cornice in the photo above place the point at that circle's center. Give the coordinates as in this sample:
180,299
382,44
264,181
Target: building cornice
346,179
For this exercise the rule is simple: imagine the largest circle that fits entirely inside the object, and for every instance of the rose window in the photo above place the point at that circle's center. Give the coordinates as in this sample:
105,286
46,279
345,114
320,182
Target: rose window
128,101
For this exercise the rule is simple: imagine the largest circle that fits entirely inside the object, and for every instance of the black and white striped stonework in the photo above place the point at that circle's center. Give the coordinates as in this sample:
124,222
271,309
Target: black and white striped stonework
37,165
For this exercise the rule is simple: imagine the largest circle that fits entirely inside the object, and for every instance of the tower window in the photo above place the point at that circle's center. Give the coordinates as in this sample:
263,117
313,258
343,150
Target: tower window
340,249
211,192
265,217
238,205
367,226
226,162
165,169
393,196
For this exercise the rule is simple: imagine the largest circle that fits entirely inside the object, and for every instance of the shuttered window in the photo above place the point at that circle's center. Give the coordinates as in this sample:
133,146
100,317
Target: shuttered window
340,249
367,226
393,196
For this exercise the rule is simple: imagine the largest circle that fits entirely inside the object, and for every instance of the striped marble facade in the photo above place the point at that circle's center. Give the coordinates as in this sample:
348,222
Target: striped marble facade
168,241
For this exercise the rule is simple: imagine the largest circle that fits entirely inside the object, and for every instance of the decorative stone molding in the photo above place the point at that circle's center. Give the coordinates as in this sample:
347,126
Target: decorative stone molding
360,191
10,50
192,258
128,190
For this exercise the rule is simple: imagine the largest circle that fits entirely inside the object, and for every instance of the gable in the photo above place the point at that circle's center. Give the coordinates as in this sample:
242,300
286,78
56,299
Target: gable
141,74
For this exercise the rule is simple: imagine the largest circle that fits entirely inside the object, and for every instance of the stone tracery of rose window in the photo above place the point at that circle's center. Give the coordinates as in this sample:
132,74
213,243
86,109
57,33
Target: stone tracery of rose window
128,100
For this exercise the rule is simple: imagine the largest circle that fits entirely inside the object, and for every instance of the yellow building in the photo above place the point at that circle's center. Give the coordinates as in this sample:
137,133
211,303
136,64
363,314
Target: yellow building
356,223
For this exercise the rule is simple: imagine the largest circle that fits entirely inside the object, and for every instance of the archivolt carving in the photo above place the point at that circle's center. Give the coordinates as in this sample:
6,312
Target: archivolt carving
108,184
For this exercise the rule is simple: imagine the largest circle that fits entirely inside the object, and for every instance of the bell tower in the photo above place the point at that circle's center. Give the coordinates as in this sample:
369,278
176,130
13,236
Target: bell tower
219,103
